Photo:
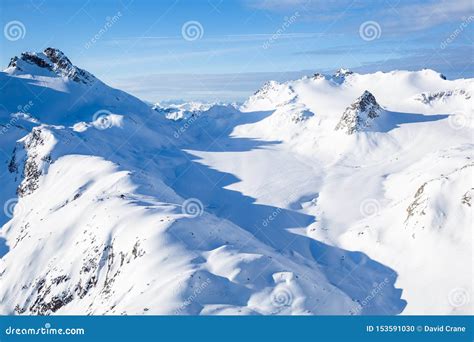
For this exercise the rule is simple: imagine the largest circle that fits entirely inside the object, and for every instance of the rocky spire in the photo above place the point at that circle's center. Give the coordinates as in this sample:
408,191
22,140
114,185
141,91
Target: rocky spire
360,114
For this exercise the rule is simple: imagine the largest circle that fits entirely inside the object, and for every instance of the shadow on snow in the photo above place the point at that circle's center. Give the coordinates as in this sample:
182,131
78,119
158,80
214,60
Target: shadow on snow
361,278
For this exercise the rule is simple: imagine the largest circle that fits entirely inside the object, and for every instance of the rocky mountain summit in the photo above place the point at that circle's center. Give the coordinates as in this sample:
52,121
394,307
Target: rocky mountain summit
340,75
360,114
53,60
343,72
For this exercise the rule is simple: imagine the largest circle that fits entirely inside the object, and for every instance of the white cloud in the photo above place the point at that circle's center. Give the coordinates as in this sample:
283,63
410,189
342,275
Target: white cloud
396,16
422,16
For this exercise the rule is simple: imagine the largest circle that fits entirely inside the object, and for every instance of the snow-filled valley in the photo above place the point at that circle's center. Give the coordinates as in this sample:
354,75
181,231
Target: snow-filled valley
347,194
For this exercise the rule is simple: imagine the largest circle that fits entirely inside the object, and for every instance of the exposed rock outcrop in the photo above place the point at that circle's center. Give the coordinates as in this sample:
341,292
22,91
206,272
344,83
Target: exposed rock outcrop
360,114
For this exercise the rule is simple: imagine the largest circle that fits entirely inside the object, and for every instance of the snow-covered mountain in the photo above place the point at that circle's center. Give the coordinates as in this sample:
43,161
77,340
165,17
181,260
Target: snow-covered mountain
360,115
344,194
180,111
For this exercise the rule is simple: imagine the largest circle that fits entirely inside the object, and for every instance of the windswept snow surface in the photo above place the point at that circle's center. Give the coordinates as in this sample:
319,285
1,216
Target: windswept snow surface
112,206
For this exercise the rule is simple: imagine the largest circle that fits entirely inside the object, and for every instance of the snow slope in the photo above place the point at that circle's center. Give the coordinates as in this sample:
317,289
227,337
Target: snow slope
115,207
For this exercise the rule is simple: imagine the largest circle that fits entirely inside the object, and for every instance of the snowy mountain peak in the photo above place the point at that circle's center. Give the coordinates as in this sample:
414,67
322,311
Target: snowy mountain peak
180,111
51,60
359,114
342,73
267,88
318,76
271,95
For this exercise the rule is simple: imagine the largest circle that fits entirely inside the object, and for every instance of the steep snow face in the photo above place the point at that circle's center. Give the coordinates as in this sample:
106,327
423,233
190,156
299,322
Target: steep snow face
359,115
114,207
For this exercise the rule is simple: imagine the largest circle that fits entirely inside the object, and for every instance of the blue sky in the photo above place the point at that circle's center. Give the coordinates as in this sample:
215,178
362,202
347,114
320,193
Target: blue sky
142,46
